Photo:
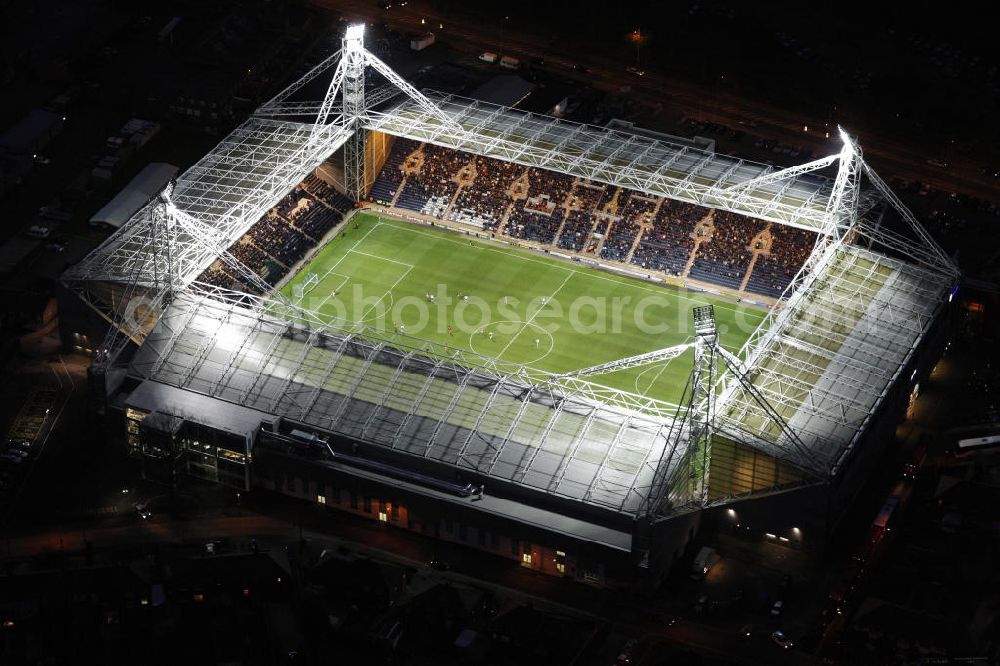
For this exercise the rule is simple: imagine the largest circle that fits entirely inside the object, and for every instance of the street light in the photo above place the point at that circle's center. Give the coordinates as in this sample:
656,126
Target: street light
637,38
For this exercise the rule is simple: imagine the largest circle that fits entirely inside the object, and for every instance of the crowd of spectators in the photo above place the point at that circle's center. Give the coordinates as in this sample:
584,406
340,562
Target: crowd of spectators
576,230
434,185
283,235
538,217
667,245
725,257
391,176
583,202
585,213
622,234
485,200
774,271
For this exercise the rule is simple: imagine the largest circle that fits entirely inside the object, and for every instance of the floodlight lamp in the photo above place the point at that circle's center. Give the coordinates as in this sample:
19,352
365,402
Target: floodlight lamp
704,321
846,138
356,31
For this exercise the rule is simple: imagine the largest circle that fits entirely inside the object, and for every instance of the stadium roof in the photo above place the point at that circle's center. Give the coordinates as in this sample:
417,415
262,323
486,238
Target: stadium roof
542,436
831,354
226,192
629,160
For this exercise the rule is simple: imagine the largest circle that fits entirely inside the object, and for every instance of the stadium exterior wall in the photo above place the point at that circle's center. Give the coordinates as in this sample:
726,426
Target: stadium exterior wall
545,534
174,431
395,506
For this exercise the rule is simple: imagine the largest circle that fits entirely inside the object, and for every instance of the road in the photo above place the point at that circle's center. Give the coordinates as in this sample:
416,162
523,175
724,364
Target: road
893,157
273,521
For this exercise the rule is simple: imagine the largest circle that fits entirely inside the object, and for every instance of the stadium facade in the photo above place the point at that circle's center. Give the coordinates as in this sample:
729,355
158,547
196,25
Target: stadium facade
559,472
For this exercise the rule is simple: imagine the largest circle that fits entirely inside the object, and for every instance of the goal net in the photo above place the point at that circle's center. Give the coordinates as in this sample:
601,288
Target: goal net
308,284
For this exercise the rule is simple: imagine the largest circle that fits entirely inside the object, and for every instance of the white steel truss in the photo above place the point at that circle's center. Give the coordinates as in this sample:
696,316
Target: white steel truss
657,356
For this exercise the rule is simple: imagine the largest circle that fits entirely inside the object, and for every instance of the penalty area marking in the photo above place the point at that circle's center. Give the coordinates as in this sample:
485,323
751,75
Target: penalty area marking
375,256
344,256
338,288
364,315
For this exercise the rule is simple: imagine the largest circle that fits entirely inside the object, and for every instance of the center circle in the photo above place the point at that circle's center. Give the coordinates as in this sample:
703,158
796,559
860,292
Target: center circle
481,344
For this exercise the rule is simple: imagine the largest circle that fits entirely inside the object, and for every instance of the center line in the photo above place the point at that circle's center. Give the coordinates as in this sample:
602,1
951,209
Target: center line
535,314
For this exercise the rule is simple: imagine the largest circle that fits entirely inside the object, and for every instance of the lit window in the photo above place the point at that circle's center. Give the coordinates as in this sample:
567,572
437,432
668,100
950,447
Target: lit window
382,516
321,499
199,597
526,558
560,567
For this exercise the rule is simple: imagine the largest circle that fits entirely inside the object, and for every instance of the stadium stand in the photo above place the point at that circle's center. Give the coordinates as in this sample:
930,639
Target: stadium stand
283,235
622,234
485,200
774,270
724,256
667,245
662,235
391,176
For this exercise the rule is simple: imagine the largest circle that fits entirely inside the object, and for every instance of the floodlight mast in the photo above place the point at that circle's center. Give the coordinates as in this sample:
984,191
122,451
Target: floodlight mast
702,405
354,109
348,81
143,301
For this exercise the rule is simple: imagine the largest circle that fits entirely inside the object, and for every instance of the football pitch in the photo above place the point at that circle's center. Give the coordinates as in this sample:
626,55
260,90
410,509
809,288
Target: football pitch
509,304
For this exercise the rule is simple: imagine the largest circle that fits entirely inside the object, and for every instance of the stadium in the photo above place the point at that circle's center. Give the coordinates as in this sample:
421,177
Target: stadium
560,343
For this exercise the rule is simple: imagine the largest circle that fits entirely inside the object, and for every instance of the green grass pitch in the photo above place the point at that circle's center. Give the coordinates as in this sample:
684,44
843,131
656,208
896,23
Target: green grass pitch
509,304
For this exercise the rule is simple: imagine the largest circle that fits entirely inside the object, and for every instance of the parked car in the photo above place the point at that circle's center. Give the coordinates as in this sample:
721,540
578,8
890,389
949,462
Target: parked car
142,510
782,640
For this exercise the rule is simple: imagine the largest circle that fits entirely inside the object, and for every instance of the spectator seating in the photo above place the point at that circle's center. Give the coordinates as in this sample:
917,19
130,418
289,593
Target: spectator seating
666,246
725,257
384,188
774,271
283,235
621,236
556,210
